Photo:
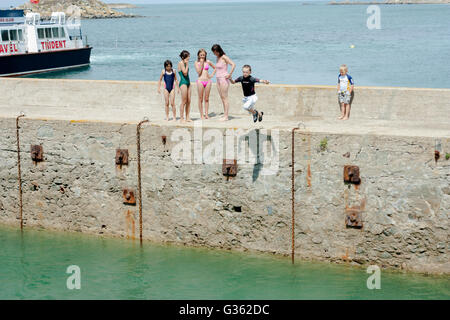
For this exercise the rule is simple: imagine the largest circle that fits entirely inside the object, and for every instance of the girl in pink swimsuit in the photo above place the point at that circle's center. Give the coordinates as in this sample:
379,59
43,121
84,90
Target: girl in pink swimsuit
223,77
203,82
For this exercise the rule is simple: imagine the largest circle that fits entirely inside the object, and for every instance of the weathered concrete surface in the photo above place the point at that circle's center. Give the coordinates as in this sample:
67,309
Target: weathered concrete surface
288,102
78,186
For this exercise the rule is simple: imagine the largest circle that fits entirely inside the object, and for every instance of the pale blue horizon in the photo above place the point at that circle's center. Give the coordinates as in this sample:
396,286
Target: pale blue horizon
7,3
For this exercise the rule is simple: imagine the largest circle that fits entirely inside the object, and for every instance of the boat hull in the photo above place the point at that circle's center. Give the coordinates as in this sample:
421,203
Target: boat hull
22,64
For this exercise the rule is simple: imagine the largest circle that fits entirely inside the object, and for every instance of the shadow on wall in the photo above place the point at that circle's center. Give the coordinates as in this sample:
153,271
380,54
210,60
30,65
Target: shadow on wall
256,149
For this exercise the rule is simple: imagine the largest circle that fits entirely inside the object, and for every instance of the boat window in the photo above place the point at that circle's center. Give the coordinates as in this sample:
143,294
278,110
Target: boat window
55,32
5,35
13,35
62,33
41,34
48,33
20,34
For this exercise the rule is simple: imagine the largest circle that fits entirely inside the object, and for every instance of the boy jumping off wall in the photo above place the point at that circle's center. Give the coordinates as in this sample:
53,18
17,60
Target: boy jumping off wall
248,87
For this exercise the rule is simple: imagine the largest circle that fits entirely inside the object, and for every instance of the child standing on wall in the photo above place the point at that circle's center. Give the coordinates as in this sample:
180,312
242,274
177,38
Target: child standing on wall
345,88
248,87
170,80
185,86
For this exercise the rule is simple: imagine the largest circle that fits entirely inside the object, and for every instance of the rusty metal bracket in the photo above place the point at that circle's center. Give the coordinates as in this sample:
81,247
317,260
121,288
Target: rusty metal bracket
128,197
437,155
164,140
229,168
353,218
121,157
353,215
37,153
351,174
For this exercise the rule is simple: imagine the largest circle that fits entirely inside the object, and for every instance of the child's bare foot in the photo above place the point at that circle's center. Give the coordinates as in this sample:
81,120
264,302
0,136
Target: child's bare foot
206,116
173,120
188,120
182,120
223,119
341,117
345,118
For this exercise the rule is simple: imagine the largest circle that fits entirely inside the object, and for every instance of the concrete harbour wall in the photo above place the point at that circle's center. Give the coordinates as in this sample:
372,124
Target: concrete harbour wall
404,195
284,101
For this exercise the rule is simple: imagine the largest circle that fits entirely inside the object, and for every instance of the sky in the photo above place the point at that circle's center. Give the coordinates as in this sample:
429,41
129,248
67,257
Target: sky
7,3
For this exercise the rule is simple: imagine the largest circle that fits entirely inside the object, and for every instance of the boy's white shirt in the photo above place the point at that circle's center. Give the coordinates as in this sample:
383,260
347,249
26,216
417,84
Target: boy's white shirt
343,83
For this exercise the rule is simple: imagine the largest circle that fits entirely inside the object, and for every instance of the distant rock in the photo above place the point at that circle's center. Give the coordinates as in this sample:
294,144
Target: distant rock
121,5
89,9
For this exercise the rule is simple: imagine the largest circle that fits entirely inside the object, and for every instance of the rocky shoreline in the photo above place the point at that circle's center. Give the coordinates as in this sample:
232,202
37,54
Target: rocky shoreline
121,5
89,9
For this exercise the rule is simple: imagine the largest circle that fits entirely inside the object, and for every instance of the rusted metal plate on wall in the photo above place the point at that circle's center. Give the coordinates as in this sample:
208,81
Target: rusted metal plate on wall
353,218
351,174
229,167
121,157
128,197
37,153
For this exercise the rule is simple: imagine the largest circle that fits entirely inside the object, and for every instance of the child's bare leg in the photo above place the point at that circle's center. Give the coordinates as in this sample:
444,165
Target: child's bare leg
172,102
188,105
184,91
207,92
200,90
347,112
342,111
166,100
223,91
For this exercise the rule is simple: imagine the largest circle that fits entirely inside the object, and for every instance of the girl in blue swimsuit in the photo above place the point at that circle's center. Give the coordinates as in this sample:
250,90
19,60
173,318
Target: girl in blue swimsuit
170,79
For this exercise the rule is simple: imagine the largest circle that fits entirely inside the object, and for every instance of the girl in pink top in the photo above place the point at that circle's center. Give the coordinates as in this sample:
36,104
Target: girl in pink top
223,77
204,81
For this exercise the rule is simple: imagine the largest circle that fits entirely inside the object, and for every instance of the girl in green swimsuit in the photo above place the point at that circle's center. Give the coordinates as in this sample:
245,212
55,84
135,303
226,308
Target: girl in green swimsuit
185,86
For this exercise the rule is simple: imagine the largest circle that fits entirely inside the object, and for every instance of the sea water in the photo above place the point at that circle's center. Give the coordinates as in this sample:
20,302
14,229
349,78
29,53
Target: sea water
34,264
284,42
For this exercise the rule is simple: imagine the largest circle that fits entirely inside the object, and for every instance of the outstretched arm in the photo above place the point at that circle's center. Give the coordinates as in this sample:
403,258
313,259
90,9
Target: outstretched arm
239,79
262,81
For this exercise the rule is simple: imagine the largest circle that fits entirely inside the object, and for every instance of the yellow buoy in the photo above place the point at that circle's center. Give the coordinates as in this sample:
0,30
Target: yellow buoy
352,46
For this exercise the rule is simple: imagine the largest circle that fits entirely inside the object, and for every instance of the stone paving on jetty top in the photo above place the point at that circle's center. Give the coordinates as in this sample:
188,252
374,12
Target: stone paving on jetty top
156,117
399,111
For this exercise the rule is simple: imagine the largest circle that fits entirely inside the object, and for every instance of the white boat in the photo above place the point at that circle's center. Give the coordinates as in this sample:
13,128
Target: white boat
31,45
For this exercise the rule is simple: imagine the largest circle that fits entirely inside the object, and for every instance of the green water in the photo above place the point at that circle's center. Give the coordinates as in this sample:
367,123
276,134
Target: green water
33,266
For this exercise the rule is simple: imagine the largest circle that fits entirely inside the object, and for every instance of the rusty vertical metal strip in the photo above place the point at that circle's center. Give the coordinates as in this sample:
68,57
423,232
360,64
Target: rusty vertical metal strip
138,138
293,193
19,172
293,189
